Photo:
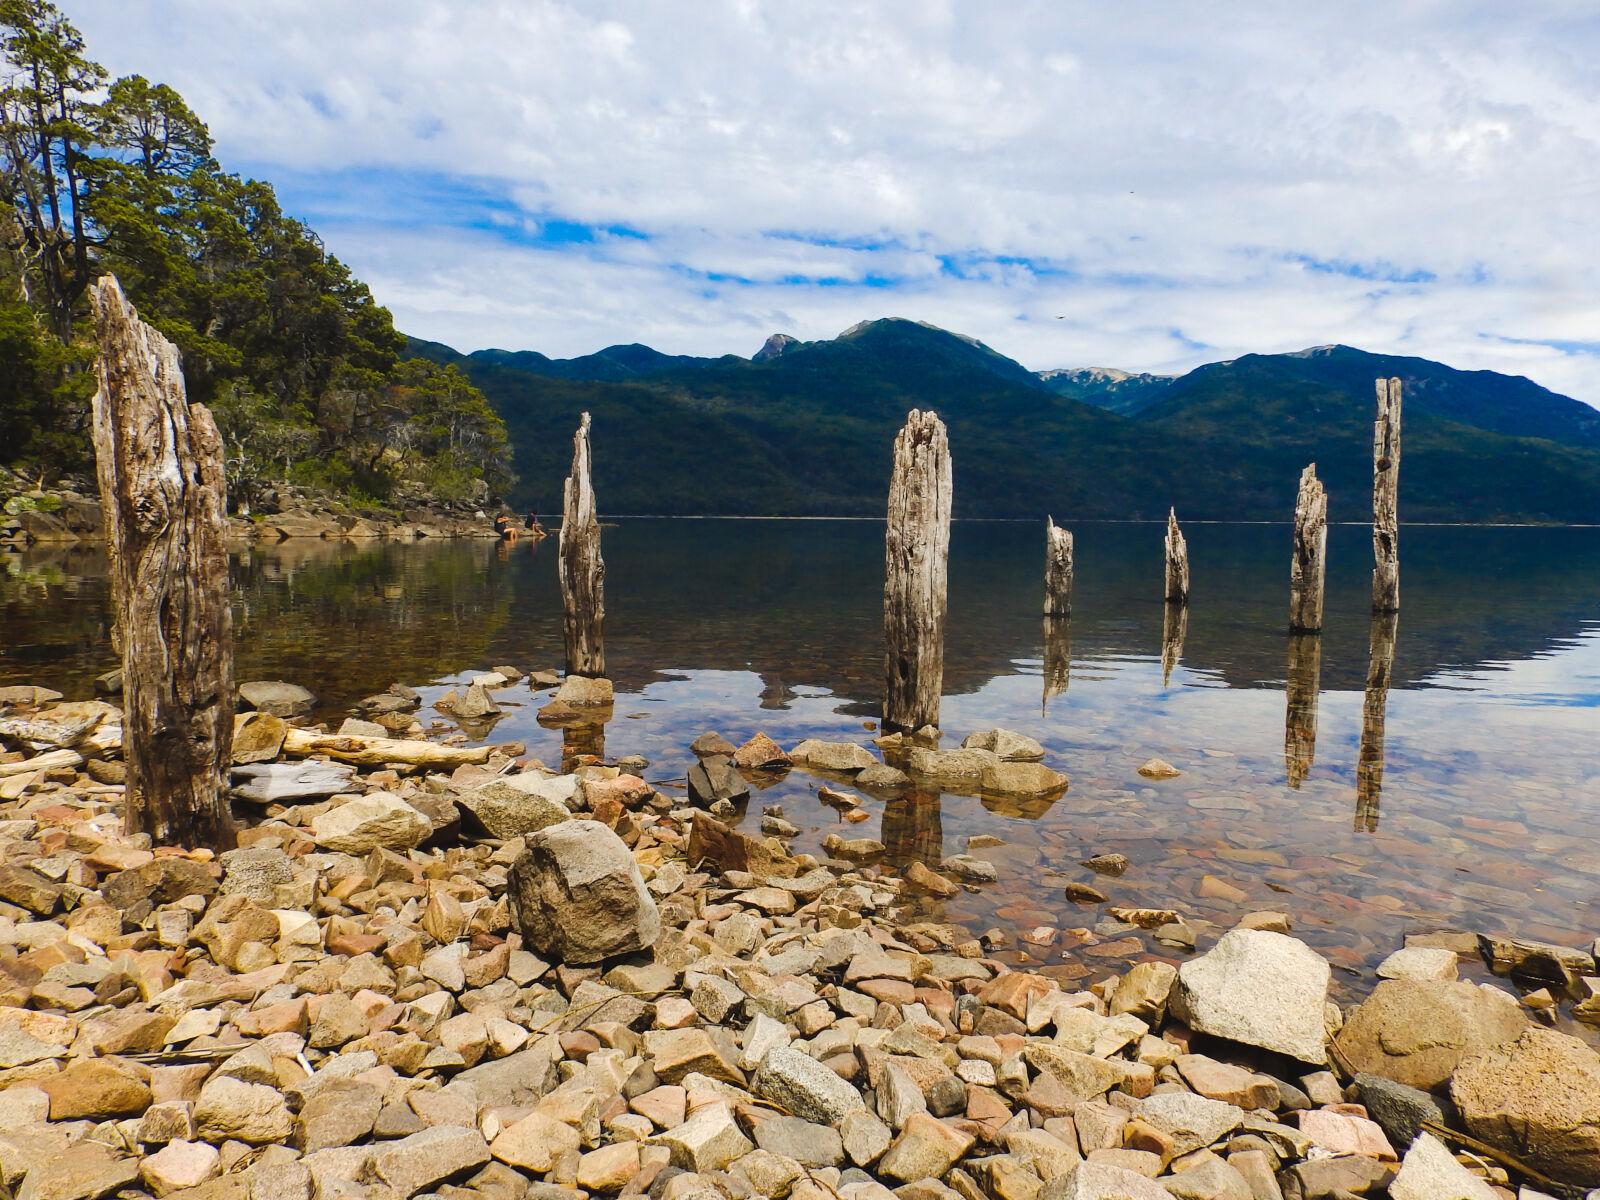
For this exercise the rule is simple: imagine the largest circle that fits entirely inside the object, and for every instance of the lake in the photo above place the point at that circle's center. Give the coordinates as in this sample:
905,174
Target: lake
1465,795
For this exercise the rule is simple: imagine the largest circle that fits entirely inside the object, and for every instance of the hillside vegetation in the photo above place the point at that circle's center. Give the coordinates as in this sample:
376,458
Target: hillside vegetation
305,372
808,431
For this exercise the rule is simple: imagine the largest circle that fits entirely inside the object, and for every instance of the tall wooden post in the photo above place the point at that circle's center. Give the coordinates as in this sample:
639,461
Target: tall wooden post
582,570
1385,499
1177,562
1300,720
163,494
916,565
1057,570
1309,569
1374,709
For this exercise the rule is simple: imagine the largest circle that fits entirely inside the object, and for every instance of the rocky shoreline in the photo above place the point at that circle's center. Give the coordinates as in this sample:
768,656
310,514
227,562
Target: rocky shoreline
433,969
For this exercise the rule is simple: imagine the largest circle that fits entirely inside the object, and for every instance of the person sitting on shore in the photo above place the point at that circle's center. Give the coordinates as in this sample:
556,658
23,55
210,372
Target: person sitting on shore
504,527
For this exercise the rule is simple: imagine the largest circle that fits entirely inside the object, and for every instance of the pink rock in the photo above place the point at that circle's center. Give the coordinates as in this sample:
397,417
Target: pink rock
1340,1133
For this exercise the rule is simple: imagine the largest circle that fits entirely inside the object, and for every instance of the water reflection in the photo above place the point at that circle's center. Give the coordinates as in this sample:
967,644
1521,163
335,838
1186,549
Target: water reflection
1174,628
1057,656
1300,723
1374,707
913,829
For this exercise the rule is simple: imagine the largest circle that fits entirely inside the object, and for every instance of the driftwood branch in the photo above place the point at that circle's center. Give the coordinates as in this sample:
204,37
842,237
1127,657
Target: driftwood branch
1385,499
375,752
159,461
582,570
916,565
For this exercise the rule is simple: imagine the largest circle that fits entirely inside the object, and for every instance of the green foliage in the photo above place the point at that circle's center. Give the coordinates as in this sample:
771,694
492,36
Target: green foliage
302,365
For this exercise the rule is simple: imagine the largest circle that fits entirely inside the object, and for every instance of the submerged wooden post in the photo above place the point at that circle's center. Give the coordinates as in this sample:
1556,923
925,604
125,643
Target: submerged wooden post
1057,570
582,570
163,494
1309,570
916,564
1385,499
1300,720
1177,562
1374,709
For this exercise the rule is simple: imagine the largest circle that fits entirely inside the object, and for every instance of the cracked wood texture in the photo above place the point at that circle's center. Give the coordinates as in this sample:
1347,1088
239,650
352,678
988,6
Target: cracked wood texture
582,570
1057,570
159,461
916,570
1177,561
1386,499
1308,572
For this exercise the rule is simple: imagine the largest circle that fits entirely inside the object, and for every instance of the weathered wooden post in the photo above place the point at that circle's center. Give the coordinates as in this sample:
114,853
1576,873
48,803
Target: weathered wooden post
1300,721
1309,569
916,565
1057,570
1385,499
1177,561
163,493
1374,708
582,570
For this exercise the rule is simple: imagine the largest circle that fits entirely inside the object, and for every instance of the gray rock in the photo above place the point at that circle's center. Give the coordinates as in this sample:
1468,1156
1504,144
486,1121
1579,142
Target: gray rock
1430,1172
276,697
1262,989
1212,1180
809,1144
881,775
713,778
362,825
255,872
1100,1181
832,756
865,1137
951,764
517,805
576,893
280,783
1012,747
967,866
476,705
1398,1109
805,1087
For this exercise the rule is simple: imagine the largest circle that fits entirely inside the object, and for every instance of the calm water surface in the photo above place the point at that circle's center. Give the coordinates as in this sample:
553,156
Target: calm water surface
1465,794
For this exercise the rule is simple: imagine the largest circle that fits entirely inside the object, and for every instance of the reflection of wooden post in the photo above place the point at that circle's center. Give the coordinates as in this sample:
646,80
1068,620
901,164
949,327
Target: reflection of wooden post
1177,562
1174,628
1307,573
913,829
582,570
1374,705
1057,655
1385,499
1300,723
1057,570
916,562
162,491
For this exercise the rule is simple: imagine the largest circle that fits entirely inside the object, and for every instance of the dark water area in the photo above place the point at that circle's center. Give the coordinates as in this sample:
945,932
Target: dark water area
1456,786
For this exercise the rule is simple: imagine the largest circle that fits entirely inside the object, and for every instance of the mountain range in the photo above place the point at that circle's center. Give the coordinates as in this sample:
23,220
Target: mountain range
806,428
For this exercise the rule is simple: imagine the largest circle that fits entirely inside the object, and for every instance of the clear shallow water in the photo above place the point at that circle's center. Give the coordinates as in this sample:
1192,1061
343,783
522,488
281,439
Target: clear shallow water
1478,808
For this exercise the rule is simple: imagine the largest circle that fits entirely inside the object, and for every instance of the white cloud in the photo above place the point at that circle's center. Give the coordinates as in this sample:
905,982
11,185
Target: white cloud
1179,185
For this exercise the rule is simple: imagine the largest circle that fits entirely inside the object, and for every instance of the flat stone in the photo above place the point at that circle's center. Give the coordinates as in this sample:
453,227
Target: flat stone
1417,1031
1431,1172
1192,1122
92,1089
804,1087
276,697
1013,747
362,825
1263,989
1345,1133
1419,962
535,1143
1022,779
832,756
286,782
807,1143
1084,1076
865,1137
676,1053
517,805
951,764
86,1171
180,1165
424,1160
608,1169
972,868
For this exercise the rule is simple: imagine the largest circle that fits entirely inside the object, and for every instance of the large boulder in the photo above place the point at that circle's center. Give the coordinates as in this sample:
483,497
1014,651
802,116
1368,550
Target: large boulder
1262,989
577,894
517,805
1539,1099
362,825
1416,1031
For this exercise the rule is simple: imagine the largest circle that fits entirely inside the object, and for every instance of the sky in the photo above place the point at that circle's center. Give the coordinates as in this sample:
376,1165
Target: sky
1145,185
